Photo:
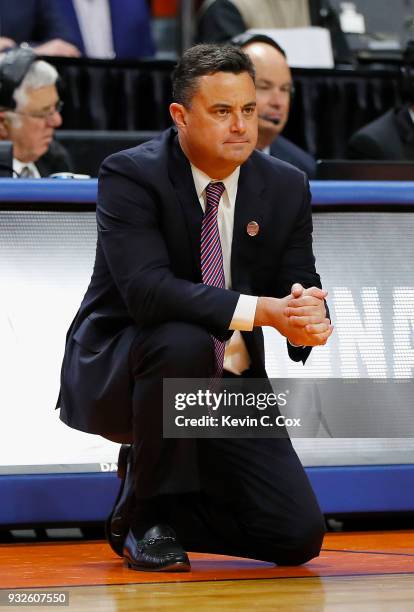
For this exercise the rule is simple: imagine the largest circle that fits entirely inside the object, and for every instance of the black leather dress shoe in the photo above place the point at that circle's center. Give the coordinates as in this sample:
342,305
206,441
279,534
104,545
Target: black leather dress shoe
159,550
117,524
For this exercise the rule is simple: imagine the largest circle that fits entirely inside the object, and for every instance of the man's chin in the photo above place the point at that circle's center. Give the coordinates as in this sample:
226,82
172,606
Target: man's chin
239,152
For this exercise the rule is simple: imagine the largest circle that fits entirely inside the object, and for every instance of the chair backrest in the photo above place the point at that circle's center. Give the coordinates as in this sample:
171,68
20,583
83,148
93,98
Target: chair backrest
88,148
364,170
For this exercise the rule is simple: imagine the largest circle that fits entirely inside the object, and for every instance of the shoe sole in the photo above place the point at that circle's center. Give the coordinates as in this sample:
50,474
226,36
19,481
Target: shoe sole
174,567
116,542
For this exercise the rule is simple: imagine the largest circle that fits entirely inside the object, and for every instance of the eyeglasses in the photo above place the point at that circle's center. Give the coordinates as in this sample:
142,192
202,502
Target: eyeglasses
43,114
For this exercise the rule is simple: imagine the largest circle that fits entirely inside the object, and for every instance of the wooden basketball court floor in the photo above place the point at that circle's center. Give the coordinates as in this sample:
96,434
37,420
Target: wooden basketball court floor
355,571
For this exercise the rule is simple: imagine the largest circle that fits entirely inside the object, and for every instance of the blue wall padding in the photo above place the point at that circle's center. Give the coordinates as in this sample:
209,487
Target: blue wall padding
323,192
43,498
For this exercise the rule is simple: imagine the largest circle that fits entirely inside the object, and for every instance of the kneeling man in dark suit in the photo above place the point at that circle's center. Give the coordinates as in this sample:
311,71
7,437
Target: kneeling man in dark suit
192,227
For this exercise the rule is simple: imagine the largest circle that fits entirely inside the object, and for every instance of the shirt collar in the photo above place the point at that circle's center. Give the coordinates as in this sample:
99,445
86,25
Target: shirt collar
201,180
411,113
18,167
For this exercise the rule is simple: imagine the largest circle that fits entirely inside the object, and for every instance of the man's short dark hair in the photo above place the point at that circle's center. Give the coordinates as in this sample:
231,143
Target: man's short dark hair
204,59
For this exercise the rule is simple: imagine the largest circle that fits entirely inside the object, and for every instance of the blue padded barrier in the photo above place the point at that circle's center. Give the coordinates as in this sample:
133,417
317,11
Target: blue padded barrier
73,498
74,191
362,192
363,488
43,498
323,192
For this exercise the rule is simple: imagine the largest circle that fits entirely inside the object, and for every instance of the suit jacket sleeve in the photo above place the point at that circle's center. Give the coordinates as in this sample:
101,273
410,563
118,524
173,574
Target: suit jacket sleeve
362,146
50,22
130,233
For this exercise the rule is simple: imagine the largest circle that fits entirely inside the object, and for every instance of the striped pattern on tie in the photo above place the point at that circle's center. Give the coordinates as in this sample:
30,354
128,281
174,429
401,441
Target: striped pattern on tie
26,172
212,272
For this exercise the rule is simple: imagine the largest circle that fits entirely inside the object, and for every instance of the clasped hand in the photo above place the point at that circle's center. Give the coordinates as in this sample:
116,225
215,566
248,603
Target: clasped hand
306,320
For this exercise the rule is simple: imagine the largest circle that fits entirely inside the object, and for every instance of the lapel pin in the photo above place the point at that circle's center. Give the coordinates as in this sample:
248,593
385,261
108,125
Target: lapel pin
252,228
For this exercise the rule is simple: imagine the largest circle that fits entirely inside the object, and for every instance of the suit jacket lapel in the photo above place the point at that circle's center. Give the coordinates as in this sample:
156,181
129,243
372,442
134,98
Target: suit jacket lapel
182,179
250,206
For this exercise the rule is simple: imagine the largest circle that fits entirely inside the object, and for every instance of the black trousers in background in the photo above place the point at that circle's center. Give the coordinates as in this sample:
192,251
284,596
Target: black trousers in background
245,497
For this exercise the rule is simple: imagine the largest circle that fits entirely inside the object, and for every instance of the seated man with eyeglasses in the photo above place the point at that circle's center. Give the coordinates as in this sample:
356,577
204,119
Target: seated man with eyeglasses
29,114
274,91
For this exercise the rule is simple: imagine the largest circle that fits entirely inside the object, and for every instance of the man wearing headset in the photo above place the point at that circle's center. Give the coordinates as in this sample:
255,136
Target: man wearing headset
274,90
30,113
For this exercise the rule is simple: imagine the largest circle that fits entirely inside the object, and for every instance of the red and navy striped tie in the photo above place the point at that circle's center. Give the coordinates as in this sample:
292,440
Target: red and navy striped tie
212,272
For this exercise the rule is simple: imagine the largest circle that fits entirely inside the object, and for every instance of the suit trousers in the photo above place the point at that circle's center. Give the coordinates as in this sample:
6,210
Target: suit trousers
247,497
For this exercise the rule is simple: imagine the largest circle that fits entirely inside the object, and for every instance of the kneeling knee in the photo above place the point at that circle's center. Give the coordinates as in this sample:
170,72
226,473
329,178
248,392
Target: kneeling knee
304,543
294,547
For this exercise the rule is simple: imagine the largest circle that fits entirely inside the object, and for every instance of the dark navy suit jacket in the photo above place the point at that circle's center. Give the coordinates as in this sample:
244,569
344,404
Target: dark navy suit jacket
390,136
147,269
131,31
33,21
284,149
56,159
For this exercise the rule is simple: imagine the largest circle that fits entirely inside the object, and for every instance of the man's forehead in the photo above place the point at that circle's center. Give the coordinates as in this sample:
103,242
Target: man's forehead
42,96
225,85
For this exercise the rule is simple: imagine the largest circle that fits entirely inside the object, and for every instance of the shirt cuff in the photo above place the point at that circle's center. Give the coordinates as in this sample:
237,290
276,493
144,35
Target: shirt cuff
245,311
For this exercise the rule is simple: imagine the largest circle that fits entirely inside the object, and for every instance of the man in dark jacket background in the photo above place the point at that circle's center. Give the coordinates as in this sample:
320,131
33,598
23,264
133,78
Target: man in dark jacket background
390,136
30,113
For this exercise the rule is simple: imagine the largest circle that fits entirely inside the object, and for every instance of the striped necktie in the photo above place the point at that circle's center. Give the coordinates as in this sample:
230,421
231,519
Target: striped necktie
212,272
27,172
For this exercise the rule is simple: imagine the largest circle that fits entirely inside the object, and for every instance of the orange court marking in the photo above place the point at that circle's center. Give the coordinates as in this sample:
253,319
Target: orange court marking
93,563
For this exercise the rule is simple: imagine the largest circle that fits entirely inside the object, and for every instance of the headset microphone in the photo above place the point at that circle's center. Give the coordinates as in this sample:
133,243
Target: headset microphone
274,120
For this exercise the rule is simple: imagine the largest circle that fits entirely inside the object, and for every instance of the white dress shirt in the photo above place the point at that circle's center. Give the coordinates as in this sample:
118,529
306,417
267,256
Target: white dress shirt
94,18
236,357
18,167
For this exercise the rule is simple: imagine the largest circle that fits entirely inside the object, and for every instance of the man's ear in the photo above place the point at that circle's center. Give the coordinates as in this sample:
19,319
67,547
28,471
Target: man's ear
4,129
178,114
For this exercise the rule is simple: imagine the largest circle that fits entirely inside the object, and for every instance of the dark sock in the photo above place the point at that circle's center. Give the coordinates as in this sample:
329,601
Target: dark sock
147,513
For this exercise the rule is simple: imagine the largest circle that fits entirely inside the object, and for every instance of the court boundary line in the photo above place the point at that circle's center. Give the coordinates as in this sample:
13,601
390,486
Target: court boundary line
367,552
215,580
